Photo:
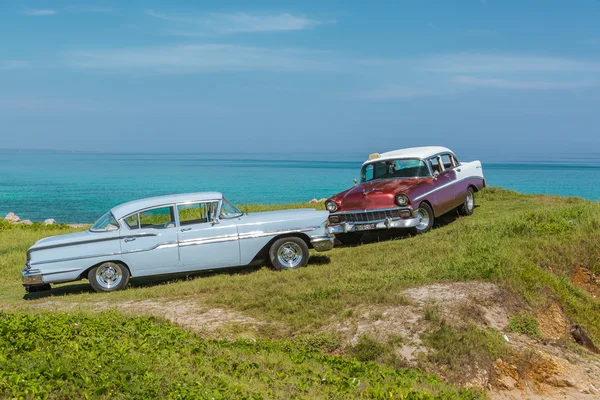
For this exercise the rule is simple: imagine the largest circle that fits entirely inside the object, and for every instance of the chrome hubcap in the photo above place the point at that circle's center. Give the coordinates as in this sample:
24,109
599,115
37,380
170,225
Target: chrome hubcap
470,201
109,275
289,255
423,216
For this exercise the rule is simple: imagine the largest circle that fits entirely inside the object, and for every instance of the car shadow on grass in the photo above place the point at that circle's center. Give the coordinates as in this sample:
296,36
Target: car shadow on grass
383,235
146,282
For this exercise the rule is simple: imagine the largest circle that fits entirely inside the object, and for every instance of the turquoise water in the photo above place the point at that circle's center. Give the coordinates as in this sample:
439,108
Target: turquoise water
79,187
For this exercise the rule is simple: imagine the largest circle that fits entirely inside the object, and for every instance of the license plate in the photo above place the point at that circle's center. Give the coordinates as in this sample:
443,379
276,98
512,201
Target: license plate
365,227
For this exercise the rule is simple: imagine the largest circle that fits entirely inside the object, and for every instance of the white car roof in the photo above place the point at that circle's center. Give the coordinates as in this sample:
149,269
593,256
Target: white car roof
125,209
412,152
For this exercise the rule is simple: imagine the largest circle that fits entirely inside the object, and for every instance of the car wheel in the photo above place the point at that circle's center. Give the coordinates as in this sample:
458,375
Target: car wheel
288,253
426,219
108,277
350,238
468,206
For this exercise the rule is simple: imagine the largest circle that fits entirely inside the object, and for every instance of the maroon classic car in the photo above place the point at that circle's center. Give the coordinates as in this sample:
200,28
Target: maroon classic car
405,188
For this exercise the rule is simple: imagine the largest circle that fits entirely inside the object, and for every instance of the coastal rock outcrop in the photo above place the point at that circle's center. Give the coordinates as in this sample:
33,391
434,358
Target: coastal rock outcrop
49,221
26,222
11,217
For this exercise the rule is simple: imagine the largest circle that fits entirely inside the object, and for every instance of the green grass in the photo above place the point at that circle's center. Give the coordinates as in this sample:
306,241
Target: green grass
525,243
525,324
65,356
528,244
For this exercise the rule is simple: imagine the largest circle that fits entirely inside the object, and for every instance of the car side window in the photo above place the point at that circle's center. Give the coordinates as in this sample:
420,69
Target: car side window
447,161
196,213
157,218
368,173
132,221
435,165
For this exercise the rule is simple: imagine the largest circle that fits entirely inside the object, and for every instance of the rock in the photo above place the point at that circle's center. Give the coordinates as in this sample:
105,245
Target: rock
322,200
49,221
11,217
313,201
26,222
583,339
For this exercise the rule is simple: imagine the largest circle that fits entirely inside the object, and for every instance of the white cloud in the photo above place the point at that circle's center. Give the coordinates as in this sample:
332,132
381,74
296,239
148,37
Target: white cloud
39,12
531,85
13,64
203,58
478,62
240,22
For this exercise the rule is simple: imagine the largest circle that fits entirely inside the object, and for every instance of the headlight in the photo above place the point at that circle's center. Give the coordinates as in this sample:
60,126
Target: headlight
331,206
401,199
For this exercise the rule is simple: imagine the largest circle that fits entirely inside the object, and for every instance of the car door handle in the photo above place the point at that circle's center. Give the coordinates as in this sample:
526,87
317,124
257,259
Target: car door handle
129,239
186,229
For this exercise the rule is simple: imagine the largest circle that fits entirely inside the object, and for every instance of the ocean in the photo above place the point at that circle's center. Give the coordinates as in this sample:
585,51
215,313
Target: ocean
78,187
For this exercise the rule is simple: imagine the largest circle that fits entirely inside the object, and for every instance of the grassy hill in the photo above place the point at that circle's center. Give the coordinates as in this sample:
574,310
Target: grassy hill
531,247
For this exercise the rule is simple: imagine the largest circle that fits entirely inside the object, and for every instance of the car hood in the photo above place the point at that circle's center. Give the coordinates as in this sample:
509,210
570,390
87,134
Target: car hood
373,194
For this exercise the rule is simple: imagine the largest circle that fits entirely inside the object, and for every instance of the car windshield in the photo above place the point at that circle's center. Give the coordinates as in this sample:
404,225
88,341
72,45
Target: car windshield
392,169
106,223
228,210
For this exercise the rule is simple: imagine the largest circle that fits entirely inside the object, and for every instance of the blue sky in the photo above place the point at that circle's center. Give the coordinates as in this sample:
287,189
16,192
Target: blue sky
480,76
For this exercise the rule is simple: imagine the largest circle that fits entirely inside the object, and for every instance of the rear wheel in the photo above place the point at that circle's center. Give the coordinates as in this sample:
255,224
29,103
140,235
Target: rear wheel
288,253
108,277
350,239
426,219
468,206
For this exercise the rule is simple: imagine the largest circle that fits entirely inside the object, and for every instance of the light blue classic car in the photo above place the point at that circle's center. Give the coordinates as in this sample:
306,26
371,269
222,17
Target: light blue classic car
174,234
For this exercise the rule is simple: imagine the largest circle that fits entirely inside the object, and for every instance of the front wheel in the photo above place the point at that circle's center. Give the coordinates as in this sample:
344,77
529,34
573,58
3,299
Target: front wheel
108,277
288,253
468,206
426,219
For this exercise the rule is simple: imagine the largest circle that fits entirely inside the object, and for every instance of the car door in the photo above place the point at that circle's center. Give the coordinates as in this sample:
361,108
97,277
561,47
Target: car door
444,195
205,241
149,242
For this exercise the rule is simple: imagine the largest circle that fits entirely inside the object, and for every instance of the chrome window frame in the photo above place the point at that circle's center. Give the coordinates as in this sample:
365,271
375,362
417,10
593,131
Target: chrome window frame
189,202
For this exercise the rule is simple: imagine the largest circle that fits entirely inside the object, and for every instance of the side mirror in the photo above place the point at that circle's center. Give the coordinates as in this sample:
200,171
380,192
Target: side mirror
354,180
435,174
215,221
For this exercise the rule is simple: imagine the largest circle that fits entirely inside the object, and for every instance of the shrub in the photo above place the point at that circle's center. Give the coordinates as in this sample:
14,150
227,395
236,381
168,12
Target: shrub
525,324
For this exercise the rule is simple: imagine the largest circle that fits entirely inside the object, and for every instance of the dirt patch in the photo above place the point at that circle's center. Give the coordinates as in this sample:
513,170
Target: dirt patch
540,375
533,370
212,322
583,278
456,303
553,323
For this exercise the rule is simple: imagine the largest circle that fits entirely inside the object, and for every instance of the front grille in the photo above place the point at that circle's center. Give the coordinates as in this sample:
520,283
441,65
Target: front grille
368,216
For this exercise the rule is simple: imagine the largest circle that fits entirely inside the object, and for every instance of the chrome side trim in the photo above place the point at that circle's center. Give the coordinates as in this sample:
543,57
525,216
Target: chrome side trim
216,239
445,186
258,234
54,246
158,246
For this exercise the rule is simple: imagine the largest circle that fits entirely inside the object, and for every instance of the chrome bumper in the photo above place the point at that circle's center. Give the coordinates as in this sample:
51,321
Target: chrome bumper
32,276
367,226
322,243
